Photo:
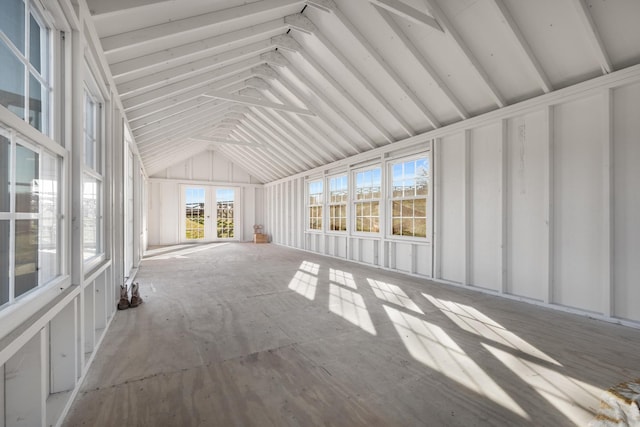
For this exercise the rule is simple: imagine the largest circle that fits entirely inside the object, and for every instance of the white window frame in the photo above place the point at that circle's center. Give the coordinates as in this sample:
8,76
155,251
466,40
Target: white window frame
45,77
391,198
344,203
309,205
355,201
96,172
12,216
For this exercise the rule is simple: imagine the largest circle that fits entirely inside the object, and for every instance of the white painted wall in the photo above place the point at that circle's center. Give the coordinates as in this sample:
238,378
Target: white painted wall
539,201
207,169
626,196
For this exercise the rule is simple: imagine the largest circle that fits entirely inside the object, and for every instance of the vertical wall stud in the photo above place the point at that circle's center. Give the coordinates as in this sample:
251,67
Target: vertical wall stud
504,173
608,205
436,208
467,207
549,205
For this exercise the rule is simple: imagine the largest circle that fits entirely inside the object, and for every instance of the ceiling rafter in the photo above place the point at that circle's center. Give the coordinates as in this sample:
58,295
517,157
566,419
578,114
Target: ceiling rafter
448,93
257,156
204,120
174,103
247,161
146,63
382,62
250,128
294,127
592,34
174,155
322,97
304,24
182,117
258,102
308,159
309,124
303,143
189,83
211,19
290,44
275,160
218,140
407,12
450,30
521,44
198,67
168,113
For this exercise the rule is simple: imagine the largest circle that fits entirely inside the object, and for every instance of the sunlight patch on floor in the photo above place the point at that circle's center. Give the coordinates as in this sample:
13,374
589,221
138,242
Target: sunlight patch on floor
432,346
305,283
393,294
342,278
351,307
472,320
577,400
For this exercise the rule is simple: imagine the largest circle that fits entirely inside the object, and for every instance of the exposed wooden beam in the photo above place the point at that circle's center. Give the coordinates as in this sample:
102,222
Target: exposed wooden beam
309,159
324,98
249,161
256,102
593,36
462,112
274,159
293,124
521,43
286,40
175,102
302,23
217,140
146,63
408,12
302,142
284,155
378,58
188,84
449,29
195,68
205,20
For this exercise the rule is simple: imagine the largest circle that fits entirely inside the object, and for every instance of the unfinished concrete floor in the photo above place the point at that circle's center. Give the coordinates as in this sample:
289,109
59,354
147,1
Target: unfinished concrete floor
260,335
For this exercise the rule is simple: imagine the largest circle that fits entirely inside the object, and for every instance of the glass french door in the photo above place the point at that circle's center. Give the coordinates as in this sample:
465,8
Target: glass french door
209,213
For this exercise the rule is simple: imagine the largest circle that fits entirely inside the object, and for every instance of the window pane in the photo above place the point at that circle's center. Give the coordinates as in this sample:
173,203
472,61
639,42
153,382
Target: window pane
89,133
26,276
194,213
4,173
35,53
27,181
90,218
12,22
48,239
4,262
11,81
225,225
35,103
420,225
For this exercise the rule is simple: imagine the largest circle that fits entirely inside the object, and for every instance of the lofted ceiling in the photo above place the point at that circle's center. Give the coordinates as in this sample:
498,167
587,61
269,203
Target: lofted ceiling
282,86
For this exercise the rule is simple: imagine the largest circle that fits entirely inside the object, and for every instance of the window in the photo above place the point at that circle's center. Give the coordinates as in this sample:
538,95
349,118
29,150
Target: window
314,204
224,206
367,200
29,216
92,186
25,81
409,191
338,196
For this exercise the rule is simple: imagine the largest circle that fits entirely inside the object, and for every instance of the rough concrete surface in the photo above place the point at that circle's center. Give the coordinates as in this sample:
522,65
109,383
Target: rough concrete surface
240,334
